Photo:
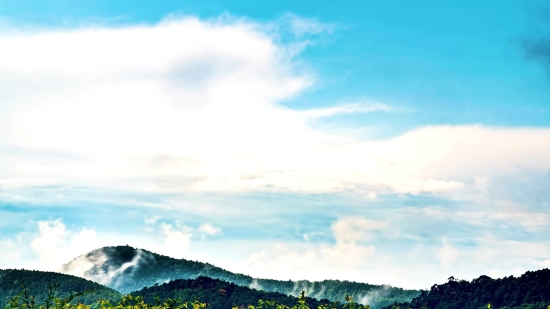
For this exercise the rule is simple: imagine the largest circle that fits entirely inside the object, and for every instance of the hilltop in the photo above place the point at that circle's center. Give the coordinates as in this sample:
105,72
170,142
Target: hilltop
128,269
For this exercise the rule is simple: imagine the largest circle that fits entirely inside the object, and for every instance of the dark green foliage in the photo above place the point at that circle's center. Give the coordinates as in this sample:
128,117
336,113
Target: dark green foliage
530,291
220,294
24,300
38,284
377,296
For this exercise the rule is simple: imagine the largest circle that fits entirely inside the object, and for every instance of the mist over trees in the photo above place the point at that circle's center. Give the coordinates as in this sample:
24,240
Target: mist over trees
220,294
126,267
129,269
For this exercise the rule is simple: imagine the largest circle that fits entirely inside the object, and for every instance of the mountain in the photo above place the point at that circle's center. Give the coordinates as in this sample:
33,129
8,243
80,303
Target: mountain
220,294
127,269
38,283
529,291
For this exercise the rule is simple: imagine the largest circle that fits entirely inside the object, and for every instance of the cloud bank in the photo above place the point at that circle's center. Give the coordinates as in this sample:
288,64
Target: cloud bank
195,105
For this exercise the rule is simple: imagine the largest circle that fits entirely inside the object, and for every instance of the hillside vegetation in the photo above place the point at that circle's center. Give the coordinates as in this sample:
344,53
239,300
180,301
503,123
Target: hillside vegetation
25,301
529,291
38,283
130,269
221,294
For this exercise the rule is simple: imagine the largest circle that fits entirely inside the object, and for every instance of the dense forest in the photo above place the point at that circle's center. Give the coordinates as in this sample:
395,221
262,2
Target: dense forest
199,293
38,283
530,291
160,276
220,294
24,300
132,269
335,290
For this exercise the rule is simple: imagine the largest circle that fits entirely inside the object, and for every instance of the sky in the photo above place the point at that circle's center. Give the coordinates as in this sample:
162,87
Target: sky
395,142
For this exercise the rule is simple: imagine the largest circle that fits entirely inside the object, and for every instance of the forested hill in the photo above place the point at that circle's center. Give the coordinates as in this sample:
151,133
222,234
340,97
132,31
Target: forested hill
38,283
530,291
219,294
377,296
127,269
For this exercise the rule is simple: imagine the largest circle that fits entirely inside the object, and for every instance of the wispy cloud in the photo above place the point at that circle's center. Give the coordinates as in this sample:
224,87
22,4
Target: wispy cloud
447,253
352,108
411,263
183,106
210,230
301,26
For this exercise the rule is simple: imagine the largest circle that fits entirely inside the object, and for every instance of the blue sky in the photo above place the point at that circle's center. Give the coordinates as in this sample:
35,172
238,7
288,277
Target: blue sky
391,143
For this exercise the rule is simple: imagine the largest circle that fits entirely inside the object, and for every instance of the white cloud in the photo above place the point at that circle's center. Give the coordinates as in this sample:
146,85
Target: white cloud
309,236
208,229
296,261
52,235
54,243
337,260
495,214
351,108
414,266
49,244
10,251
447,254
363,251
192,105
301,26
177,239
174,239
507,252
356,229
151,220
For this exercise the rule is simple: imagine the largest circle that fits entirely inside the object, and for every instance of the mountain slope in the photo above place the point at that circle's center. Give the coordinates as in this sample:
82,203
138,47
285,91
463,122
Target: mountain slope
38,283
529,291
127,269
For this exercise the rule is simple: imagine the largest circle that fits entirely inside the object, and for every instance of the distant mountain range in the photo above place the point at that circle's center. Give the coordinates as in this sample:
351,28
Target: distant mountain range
127,269
216,293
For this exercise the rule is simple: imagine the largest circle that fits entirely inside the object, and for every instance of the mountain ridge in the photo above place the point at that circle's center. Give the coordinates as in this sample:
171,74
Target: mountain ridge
129,269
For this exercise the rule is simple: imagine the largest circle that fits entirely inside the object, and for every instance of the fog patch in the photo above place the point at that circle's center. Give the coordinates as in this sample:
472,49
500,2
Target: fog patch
97,266
255,285
372,297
